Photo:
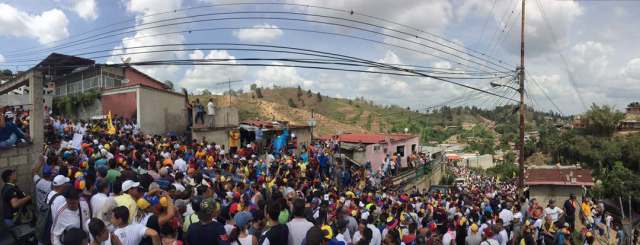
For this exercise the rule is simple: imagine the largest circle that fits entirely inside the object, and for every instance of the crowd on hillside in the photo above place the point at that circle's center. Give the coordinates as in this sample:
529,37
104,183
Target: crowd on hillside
120,186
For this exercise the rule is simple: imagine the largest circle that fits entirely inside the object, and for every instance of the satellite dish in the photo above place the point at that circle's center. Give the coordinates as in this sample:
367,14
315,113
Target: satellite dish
125,61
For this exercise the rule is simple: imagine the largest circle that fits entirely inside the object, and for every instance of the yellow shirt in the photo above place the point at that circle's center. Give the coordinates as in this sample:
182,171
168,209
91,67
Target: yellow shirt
586,209
127,201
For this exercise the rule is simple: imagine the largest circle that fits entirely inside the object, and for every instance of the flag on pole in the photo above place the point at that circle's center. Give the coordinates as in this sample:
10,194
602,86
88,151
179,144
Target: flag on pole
110,128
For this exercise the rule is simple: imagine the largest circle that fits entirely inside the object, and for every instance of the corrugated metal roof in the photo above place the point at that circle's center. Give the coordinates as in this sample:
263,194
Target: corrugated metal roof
559,176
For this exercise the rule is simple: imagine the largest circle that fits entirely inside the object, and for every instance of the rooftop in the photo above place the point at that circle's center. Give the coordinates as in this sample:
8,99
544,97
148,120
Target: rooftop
556,175
370,138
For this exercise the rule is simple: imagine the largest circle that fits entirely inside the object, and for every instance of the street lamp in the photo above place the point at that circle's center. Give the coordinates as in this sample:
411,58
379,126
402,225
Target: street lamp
493,84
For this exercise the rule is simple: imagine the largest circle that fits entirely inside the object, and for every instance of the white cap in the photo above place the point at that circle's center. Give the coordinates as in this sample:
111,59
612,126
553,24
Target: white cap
128,184
364,216
121,148
60,180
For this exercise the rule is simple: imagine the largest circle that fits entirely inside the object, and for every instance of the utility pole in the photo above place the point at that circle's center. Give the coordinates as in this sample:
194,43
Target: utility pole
521,90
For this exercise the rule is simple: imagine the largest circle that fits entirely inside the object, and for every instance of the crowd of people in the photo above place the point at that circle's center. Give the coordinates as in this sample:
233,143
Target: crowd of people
14,126
125,187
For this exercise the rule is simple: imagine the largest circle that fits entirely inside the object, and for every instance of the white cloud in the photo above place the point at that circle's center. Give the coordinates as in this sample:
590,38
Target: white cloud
633,69
559,15
127,47
206,76
259,33
281,76
1,58
50,25
589,61
86,9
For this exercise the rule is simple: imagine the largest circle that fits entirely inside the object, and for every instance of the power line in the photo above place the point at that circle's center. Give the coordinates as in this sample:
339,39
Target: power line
562,57
544,91
223,28
350,12
492,65
328,54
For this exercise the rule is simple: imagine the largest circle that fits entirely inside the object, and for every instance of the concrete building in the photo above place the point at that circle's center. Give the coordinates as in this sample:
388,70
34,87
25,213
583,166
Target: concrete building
557,182
158,111
631,120
363,147
471,160
124,91
226,122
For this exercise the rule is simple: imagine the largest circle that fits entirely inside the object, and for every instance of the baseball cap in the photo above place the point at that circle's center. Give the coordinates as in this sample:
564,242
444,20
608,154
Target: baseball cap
207,206
128,184
242,218
60,180
474,228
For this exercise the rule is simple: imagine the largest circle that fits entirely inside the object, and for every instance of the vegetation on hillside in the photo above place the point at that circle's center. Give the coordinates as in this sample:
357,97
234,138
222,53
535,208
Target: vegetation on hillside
615,159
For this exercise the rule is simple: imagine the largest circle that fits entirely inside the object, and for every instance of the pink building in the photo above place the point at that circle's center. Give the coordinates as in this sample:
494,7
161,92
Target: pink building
363,147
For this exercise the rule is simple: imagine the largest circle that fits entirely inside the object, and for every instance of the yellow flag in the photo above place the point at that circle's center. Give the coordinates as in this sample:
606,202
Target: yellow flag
110,128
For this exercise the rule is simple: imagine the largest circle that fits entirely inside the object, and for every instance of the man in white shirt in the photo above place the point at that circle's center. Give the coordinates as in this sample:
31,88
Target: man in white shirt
376,237
506,215
298,226
73,214
131,234
211,112
180,164
102,203
59,184
553,211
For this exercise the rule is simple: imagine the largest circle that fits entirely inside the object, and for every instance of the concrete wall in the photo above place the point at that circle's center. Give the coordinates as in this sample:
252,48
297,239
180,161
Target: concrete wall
21,159
483,161
219,135
303,135
560,193
160,111
434,178
225,117
22,99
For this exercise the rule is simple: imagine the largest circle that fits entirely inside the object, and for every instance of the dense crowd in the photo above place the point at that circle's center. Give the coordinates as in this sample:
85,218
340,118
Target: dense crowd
120,186
14,126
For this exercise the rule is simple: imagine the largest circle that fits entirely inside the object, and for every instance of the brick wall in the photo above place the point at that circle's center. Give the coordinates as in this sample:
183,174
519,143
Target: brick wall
121,104
136,77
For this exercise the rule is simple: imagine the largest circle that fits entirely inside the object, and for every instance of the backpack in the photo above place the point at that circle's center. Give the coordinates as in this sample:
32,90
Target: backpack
43,225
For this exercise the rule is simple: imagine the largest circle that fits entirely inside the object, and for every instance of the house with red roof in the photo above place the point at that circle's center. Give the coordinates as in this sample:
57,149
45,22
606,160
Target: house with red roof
373,148
557,182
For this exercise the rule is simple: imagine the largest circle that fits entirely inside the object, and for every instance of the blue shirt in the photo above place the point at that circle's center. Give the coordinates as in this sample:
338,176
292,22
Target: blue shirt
8,130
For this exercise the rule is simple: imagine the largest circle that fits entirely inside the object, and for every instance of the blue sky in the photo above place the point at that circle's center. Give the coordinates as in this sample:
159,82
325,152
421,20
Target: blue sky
594,41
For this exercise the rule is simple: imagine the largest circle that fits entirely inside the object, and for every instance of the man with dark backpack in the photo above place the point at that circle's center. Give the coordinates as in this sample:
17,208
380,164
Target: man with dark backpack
73,214
43,226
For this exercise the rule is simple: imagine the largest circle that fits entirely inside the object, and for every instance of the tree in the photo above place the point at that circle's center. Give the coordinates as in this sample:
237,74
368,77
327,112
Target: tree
319,97
292,104
259,93
206,92
309,94
254,87
7,72
299,92
603,120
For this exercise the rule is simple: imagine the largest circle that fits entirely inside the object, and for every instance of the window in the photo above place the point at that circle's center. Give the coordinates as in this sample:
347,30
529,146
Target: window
376,147
400,150
413,148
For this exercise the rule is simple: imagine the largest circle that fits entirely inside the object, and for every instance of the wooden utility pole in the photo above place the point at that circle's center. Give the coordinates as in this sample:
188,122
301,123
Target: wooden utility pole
521,78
